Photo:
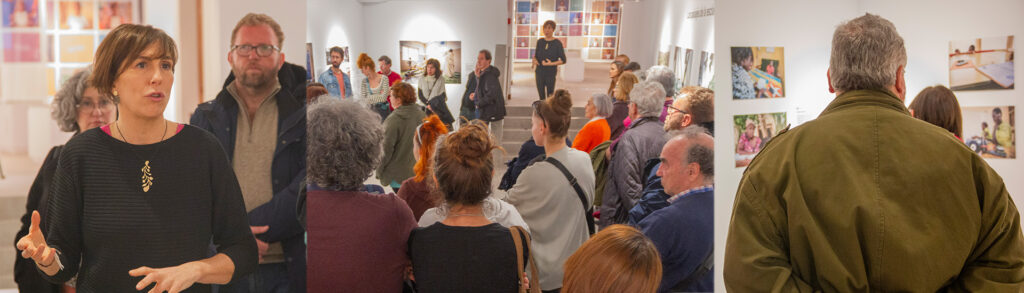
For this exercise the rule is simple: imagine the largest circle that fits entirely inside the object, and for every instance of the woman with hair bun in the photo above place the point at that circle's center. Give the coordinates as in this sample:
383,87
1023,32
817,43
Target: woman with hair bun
465,252
544,196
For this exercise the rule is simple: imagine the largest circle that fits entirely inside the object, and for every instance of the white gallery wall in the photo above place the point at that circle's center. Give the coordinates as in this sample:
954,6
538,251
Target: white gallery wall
804,28
26,126
376,28
219,19
334,23
648,27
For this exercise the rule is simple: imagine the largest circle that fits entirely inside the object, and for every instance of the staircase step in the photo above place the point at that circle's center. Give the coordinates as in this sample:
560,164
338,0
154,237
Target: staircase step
526,122
528,110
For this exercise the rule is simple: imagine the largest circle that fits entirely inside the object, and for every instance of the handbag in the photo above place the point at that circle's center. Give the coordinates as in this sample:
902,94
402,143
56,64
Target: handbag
439,105
521,240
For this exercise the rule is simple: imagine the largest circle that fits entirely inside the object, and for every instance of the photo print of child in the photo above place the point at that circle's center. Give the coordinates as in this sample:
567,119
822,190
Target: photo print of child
752,133
757,72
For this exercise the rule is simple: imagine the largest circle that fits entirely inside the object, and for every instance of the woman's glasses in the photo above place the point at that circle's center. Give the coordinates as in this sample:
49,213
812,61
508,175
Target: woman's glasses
104,105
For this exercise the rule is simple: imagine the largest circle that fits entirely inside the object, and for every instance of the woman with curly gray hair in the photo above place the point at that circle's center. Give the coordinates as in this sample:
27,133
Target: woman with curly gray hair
356,238
77,107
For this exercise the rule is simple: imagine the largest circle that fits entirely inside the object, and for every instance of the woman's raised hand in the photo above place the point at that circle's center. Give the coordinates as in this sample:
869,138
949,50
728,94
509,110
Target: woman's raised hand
34,246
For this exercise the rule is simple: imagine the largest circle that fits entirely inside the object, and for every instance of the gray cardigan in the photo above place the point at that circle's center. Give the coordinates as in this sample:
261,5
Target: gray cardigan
549,204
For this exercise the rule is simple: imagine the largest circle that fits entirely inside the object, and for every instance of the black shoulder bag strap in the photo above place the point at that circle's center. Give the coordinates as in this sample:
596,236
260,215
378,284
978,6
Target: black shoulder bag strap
588,211
697,274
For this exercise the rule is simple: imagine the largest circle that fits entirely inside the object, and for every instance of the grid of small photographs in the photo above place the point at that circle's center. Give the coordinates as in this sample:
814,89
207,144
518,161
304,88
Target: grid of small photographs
589,25
33,30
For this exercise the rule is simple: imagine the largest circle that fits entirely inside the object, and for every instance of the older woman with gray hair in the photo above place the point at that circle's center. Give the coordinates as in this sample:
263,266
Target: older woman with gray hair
664,76
641,143
77,107
356,239
597,130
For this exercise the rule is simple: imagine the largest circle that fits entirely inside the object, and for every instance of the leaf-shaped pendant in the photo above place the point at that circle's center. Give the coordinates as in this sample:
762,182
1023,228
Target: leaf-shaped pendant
147,177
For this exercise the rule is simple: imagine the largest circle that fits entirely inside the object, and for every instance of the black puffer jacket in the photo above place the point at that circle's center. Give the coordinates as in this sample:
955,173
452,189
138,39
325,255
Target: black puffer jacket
489,99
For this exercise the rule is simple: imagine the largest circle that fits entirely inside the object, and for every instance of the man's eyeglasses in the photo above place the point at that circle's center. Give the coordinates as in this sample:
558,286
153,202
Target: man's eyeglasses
671,109
261,50
105,105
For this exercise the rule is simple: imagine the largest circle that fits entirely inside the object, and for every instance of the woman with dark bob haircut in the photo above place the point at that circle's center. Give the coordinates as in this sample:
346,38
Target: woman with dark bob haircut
136,203
937,105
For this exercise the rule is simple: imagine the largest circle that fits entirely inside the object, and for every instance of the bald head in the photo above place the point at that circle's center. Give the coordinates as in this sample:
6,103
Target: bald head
687,160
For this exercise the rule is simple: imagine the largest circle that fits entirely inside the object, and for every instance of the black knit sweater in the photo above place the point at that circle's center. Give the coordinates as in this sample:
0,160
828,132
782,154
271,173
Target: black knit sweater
104,225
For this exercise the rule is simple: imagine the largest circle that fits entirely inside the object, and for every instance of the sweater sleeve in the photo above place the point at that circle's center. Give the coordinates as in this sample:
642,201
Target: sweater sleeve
231,233
438,89
560,52
64,215
376,97
25,269
585,138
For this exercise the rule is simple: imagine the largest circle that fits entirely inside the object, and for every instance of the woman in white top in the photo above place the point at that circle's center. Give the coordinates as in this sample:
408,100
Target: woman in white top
432,93
493,208
545,198
375,96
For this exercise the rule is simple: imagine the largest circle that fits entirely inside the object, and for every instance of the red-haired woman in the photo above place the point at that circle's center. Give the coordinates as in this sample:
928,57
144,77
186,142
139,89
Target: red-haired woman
415,191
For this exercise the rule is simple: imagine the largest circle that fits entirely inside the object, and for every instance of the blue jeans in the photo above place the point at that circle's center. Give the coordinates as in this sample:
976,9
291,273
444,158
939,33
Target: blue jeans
268,278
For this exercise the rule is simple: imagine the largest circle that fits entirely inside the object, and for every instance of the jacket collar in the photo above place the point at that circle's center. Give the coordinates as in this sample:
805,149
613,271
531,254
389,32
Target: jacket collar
286,104
877,98
642,120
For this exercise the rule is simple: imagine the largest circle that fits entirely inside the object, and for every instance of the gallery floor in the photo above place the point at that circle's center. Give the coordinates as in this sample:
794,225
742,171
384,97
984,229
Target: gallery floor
524,86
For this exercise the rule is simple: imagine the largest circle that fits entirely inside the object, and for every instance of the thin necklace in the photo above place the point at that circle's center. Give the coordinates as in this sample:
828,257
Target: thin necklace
466,215
147,175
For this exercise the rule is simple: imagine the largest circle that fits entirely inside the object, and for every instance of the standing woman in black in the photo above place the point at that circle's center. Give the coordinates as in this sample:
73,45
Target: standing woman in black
135,204
549,54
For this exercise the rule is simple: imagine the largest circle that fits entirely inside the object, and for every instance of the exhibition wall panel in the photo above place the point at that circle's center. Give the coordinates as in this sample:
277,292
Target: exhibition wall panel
219,19
804,29
334,23
927,37
478,24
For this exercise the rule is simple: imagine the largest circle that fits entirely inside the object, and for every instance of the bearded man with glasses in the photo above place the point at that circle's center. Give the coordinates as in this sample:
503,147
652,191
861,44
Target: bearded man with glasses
262,126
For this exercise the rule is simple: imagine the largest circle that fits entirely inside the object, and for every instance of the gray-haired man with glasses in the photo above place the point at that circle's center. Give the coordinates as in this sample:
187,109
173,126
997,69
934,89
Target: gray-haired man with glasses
262,126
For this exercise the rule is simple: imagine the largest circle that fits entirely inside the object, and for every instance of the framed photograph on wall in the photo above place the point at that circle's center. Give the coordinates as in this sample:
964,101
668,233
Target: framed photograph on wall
757,72
414,55
981,64
752,132
991,131
20,13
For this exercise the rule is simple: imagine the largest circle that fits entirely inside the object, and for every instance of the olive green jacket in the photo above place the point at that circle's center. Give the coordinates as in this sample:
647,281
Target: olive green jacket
399,132
867,198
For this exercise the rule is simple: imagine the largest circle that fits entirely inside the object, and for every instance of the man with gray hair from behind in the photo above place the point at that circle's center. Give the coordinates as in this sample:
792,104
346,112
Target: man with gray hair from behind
642,142
667,79
867,198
